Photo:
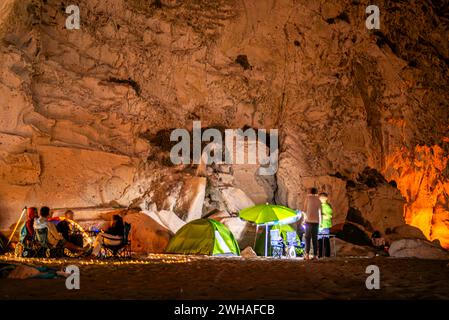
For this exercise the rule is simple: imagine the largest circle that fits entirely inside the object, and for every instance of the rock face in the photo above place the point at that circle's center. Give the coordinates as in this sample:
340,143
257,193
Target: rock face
346,249
352,233
146,234
235,199
86,115
168,219
423,177
376,206
405,232
248,252
191,200
416,248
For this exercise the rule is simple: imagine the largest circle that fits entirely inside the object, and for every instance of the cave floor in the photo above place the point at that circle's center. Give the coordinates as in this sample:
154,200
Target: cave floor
176,277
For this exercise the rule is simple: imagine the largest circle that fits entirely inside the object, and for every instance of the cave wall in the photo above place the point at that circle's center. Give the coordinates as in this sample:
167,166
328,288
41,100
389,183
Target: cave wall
80,108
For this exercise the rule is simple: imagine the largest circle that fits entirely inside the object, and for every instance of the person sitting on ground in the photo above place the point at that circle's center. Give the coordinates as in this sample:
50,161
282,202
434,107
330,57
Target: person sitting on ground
377,240
64,226
54,238
3,242
27,232
312,211
113,236
325,225
22,271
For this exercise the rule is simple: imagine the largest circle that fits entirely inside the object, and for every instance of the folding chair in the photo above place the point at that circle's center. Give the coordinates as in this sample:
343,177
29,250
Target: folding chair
277,243
291,244
44,249
122,250
27,245
35,247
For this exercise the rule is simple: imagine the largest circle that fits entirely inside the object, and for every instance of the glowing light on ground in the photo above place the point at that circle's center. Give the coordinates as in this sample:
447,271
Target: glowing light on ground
150,259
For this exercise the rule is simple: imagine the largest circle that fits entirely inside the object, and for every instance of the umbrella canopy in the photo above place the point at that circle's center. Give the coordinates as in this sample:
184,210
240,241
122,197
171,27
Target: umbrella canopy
267,214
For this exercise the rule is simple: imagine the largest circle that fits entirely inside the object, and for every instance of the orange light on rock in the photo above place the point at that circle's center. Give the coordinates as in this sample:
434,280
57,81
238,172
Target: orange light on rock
422,177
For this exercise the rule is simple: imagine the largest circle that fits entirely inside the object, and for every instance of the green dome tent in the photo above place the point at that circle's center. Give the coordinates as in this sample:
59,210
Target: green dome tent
204,236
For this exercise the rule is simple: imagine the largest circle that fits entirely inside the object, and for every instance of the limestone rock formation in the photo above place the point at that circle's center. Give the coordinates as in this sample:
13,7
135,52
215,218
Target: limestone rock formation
168,219
248,252
372,204
352,233
235,199
422,175
86,115
191,200
347,249
405,232
417,248
146,234
377,208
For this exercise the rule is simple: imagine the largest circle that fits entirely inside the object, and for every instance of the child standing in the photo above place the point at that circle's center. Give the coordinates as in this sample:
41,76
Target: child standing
325,226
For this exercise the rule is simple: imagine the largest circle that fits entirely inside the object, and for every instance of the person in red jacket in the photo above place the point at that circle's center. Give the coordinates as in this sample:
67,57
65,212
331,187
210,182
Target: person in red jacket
31,216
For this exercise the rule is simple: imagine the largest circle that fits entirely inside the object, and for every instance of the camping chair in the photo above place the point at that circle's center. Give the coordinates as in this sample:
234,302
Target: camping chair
26,247
36,247
32,247
294,248
42,247
291,244
277,243
123,250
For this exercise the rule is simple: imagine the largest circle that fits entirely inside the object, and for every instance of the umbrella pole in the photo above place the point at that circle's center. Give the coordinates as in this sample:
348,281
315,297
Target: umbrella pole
255,237
15,228
266,240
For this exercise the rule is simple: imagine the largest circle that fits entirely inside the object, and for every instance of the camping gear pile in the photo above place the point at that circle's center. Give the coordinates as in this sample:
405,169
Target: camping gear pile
200,237
210,237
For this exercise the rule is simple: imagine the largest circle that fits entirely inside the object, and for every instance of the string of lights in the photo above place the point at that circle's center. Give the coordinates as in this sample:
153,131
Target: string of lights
150,259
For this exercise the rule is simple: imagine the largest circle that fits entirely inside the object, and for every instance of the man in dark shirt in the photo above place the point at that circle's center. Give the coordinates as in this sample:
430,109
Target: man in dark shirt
63,227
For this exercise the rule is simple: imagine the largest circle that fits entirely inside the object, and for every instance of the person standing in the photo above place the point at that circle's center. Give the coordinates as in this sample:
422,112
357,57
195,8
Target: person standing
312,211
325,226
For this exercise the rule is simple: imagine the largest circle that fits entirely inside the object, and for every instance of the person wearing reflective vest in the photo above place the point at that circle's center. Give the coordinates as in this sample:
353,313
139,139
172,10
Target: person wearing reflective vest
324,248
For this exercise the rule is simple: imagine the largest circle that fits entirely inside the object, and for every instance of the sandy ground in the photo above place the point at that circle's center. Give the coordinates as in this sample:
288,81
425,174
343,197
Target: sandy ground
161,277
